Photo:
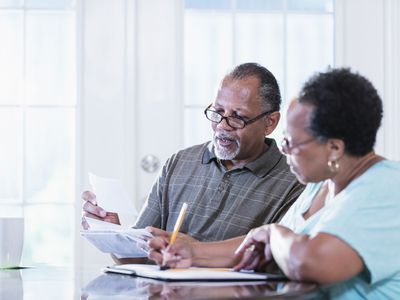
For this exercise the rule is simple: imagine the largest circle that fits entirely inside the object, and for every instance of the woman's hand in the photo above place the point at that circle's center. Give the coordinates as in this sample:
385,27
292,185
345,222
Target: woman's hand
254,252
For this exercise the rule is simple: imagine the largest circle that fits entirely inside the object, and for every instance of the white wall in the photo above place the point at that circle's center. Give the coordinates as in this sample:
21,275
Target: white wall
368,41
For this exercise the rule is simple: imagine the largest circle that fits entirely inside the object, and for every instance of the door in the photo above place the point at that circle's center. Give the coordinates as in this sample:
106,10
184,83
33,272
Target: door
130,102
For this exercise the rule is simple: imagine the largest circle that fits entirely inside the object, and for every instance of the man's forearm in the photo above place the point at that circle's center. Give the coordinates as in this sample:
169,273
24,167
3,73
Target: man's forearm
216,254
129,260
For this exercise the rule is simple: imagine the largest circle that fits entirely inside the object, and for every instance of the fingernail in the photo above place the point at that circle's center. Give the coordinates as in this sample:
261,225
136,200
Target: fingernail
102,213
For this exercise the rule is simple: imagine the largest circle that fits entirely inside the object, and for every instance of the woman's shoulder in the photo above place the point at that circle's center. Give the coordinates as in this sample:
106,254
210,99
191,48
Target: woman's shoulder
303,202
389,165
384,171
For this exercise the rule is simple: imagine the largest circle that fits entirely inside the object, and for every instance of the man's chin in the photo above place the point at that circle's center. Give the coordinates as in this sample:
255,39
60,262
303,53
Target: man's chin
225,155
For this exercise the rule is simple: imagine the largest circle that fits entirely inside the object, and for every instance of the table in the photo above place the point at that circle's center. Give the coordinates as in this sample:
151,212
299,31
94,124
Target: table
67,283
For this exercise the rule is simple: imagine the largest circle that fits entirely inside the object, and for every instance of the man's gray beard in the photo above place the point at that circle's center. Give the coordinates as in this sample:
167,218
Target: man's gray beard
223,153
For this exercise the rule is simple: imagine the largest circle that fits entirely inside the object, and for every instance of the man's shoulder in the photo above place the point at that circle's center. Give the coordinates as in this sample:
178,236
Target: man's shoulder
273,164
192,154
194,150
282,171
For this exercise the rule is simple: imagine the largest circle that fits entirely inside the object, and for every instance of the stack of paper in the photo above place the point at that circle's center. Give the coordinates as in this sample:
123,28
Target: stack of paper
119,240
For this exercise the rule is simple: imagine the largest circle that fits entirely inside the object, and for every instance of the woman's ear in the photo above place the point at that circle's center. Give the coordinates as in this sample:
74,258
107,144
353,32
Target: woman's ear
272,121
337,148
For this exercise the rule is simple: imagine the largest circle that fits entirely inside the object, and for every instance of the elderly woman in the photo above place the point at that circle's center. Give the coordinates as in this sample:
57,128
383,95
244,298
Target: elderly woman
344,230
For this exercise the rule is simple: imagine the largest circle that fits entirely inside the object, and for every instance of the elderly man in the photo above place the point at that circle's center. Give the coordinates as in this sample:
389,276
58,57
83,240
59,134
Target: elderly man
235,182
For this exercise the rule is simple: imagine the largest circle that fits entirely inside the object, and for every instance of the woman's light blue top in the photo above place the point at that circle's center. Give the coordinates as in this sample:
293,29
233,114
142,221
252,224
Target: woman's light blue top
366,215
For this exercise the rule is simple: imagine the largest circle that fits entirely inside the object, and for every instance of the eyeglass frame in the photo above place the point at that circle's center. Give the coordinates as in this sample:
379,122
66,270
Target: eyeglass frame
287,147
245,123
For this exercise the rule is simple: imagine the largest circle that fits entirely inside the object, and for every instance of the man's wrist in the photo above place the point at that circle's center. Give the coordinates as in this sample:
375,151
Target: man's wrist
199,253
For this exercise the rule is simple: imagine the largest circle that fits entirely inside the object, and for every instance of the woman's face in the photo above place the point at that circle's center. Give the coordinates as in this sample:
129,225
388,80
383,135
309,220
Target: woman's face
306,155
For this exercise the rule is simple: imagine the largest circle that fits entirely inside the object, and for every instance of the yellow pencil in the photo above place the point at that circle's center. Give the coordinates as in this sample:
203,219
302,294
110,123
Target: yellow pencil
178,223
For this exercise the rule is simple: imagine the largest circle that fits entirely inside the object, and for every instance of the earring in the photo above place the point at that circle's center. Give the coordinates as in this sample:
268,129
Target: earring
333,166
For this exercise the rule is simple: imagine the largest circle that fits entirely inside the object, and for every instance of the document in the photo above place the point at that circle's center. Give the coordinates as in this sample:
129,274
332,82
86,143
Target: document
111,195
190,274
119,240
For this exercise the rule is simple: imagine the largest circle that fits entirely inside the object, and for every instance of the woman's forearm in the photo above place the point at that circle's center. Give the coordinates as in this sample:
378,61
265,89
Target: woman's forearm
324,258
287,250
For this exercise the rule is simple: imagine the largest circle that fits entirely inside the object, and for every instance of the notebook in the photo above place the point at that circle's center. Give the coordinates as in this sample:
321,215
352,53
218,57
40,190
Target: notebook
190,274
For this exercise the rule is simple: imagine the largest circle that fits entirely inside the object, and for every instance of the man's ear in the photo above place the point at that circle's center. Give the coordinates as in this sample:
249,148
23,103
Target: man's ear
272,121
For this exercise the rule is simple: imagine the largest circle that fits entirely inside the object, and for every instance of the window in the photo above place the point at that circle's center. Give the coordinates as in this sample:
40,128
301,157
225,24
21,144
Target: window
37,124
292,38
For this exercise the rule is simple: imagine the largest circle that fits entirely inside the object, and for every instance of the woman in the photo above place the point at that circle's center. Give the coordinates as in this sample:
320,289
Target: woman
344,230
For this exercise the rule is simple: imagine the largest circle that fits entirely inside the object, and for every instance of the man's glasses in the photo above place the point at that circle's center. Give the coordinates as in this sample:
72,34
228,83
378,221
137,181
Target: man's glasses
235,122
287,147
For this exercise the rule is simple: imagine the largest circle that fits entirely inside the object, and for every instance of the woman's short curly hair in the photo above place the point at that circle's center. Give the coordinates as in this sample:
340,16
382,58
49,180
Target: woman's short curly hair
346,107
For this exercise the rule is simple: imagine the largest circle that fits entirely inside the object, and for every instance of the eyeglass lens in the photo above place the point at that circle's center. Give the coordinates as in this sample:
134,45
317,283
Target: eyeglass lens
217,118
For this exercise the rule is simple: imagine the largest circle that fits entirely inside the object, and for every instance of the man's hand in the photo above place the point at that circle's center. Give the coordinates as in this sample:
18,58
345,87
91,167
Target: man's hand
167,235
177,255
92,210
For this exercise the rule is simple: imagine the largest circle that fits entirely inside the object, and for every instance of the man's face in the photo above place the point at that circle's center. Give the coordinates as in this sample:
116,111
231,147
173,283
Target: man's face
239,98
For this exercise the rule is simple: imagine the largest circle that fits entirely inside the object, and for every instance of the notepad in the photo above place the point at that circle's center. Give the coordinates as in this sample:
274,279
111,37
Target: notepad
190,274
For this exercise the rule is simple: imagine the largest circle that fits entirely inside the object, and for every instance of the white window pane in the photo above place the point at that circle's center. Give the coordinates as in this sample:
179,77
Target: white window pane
197,129
10,155
260,38
310,5
14,210
11,68
48,235
48,3
309,48
50,144
10,4
50,58
207,54
259,4
207,4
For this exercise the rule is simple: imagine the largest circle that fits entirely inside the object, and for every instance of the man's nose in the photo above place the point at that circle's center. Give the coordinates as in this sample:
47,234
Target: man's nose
224,124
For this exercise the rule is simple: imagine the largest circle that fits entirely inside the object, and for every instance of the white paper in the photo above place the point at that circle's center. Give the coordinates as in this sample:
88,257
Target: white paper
101,225
119,240
111,195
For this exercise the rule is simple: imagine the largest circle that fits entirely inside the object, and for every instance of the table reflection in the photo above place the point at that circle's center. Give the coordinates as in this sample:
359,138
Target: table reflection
67,283
11,285
128,287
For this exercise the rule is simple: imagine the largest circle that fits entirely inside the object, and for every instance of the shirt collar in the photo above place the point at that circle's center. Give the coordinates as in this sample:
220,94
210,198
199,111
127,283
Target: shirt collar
260,167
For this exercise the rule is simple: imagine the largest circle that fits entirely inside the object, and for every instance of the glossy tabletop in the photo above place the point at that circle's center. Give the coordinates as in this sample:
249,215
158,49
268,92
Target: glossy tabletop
61,283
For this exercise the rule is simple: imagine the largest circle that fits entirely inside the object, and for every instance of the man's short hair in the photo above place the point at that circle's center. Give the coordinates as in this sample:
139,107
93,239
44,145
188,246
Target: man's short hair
268,91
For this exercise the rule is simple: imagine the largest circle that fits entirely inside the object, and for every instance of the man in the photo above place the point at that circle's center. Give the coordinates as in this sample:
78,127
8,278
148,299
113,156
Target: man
237,181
